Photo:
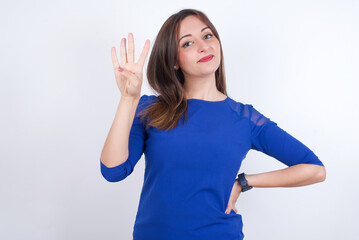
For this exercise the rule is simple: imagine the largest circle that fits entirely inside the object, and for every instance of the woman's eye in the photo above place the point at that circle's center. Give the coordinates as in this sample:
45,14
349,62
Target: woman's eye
186,44
209,35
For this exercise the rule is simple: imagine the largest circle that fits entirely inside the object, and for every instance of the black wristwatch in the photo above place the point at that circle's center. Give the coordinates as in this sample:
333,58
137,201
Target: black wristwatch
243,182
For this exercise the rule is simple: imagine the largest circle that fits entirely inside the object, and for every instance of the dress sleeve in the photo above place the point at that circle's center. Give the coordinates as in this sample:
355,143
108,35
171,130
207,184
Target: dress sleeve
136,147
269,138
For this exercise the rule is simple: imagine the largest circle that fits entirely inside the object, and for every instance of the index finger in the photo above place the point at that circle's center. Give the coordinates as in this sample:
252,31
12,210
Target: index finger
114,58
144,53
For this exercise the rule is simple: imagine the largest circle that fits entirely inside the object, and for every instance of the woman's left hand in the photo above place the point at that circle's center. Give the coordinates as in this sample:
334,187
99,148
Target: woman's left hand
236,191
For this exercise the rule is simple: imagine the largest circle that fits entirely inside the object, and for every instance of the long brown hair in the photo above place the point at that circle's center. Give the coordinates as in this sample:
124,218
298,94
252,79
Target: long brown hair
171,103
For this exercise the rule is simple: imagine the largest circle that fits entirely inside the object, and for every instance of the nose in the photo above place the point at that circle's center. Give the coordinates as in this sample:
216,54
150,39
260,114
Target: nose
203,46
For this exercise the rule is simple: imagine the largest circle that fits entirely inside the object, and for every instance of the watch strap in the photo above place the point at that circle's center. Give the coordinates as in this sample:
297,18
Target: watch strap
243,182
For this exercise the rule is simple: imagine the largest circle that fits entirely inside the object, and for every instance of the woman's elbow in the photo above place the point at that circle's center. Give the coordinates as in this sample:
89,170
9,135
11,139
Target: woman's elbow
322,174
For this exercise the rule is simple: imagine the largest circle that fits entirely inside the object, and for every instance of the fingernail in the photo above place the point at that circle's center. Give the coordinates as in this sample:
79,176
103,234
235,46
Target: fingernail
120,69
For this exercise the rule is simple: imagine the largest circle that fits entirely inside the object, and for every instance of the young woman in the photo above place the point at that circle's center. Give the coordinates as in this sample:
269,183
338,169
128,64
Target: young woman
194,137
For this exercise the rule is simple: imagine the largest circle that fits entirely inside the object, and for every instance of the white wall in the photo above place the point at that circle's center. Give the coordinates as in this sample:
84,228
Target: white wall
295,61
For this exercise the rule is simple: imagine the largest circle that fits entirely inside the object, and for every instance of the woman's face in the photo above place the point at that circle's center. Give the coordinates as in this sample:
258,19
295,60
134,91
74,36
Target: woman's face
196,40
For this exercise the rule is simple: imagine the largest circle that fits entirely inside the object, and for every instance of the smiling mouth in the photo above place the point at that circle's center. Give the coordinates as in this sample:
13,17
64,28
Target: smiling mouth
206,59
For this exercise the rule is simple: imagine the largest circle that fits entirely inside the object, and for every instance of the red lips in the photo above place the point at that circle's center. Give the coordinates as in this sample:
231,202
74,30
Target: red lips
206,58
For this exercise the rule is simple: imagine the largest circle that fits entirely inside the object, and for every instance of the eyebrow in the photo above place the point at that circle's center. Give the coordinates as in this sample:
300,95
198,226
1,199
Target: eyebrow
187,35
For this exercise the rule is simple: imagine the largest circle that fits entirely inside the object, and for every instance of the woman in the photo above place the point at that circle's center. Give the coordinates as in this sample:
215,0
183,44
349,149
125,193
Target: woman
194,137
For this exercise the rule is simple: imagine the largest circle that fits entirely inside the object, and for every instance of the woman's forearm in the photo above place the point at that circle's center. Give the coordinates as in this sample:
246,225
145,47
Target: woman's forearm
293,176
115,150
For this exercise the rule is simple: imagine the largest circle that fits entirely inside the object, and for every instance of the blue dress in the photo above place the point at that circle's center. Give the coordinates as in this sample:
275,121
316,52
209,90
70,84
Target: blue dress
190,170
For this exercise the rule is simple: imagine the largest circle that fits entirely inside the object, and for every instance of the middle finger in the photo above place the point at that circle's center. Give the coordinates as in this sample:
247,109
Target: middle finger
131,49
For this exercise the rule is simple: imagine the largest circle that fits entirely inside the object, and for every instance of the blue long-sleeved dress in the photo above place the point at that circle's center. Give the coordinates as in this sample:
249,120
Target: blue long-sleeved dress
190,170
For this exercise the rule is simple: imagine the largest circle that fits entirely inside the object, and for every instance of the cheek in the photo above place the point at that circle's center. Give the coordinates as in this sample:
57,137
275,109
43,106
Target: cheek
218,46
184,58
218,49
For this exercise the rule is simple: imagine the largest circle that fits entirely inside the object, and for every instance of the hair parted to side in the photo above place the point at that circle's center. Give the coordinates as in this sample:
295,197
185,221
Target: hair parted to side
171,104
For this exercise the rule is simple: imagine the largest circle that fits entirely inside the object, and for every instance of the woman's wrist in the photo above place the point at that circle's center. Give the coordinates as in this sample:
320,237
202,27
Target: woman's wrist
238,185
249,179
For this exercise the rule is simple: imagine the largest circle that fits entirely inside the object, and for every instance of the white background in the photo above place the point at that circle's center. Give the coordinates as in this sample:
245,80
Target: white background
295,61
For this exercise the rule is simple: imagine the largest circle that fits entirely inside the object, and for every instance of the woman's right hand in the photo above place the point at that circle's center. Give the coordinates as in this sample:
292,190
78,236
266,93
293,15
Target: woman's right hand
129,74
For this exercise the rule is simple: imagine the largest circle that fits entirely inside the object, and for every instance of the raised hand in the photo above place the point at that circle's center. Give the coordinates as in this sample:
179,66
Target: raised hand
129,74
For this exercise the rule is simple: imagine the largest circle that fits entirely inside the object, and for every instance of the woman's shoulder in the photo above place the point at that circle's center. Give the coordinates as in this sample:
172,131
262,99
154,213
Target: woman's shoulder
247,110
147,99
144,102
241,108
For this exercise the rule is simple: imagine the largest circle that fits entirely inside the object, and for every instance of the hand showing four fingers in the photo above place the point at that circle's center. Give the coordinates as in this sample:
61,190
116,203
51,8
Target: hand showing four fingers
129,74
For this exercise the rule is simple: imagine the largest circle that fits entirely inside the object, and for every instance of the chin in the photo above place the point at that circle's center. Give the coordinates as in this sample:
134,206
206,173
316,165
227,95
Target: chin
208,71
202,71
204,74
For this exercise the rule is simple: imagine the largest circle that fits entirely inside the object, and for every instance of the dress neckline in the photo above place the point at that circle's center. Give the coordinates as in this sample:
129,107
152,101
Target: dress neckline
206,101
